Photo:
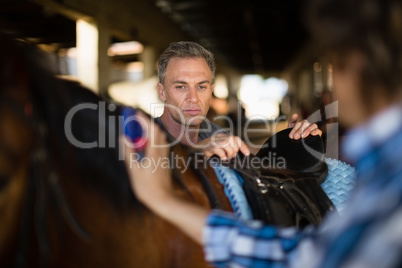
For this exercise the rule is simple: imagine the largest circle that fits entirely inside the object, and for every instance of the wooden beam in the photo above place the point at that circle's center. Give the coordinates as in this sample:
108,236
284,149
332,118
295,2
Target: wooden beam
137,20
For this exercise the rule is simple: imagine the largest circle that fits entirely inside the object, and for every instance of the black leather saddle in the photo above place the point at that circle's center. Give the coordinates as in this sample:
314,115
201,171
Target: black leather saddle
282,182
302,156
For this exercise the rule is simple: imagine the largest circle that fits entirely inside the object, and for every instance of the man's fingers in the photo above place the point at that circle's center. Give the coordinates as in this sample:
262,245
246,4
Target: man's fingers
304,128
301,129
294,133
225,146
231,152
292,120
311,129
316,132
242,147
221,153
235,144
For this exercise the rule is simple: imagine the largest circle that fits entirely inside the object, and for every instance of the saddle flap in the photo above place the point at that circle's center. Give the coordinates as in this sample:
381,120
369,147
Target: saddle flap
302,156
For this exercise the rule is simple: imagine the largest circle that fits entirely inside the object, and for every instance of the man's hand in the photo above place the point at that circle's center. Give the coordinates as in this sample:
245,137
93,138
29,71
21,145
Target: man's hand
302,129
223,145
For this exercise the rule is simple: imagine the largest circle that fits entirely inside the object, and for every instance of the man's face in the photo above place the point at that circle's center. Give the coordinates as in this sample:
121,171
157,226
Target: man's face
188,86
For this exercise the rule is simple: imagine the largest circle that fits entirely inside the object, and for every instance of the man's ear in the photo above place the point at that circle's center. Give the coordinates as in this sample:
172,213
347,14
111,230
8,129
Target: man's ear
161,92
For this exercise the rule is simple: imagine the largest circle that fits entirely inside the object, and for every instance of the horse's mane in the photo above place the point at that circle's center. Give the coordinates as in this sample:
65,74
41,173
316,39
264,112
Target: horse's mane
52,99
99,166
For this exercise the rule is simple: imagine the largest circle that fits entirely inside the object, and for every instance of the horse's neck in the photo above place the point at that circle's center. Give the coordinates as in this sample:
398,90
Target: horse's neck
132,237
197,173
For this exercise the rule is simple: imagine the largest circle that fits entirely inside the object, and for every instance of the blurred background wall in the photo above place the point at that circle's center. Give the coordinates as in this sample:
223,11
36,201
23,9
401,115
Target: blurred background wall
267,68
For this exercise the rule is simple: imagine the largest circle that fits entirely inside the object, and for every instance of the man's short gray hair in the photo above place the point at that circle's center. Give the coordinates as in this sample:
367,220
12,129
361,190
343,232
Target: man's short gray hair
184,49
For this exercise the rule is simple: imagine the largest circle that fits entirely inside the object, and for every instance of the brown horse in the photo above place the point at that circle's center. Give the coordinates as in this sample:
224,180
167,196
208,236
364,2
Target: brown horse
65,206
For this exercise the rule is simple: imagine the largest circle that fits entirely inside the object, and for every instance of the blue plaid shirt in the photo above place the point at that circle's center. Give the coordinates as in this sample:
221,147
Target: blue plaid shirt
369,233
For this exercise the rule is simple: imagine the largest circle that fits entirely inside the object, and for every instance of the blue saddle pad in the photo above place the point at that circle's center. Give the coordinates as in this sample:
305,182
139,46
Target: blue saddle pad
339,182
233,189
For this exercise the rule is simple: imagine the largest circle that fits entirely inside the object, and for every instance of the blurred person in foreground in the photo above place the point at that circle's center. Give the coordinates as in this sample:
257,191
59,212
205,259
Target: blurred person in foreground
363,40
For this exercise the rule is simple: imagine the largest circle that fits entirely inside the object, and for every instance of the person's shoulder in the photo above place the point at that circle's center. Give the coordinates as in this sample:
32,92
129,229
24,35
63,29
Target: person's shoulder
208,129
207,124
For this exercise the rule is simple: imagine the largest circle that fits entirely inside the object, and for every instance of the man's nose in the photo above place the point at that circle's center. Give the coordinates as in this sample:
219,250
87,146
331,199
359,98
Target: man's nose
192,96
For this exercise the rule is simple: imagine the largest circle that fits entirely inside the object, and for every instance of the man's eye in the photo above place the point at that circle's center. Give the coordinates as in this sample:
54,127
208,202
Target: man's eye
180,87
202,87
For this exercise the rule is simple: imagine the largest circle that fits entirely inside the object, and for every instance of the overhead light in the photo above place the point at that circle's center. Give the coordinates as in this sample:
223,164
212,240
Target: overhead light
125,48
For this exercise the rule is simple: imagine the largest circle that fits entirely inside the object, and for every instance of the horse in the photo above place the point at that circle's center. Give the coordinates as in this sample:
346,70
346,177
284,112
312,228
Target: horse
63,205
65,197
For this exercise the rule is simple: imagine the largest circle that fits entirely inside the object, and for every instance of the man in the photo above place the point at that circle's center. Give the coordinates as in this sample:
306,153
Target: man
186,73
364,43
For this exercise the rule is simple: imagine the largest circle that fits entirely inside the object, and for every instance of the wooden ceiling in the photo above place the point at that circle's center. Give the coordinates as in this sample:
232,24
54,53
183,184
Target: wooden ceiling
29,21
253,36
